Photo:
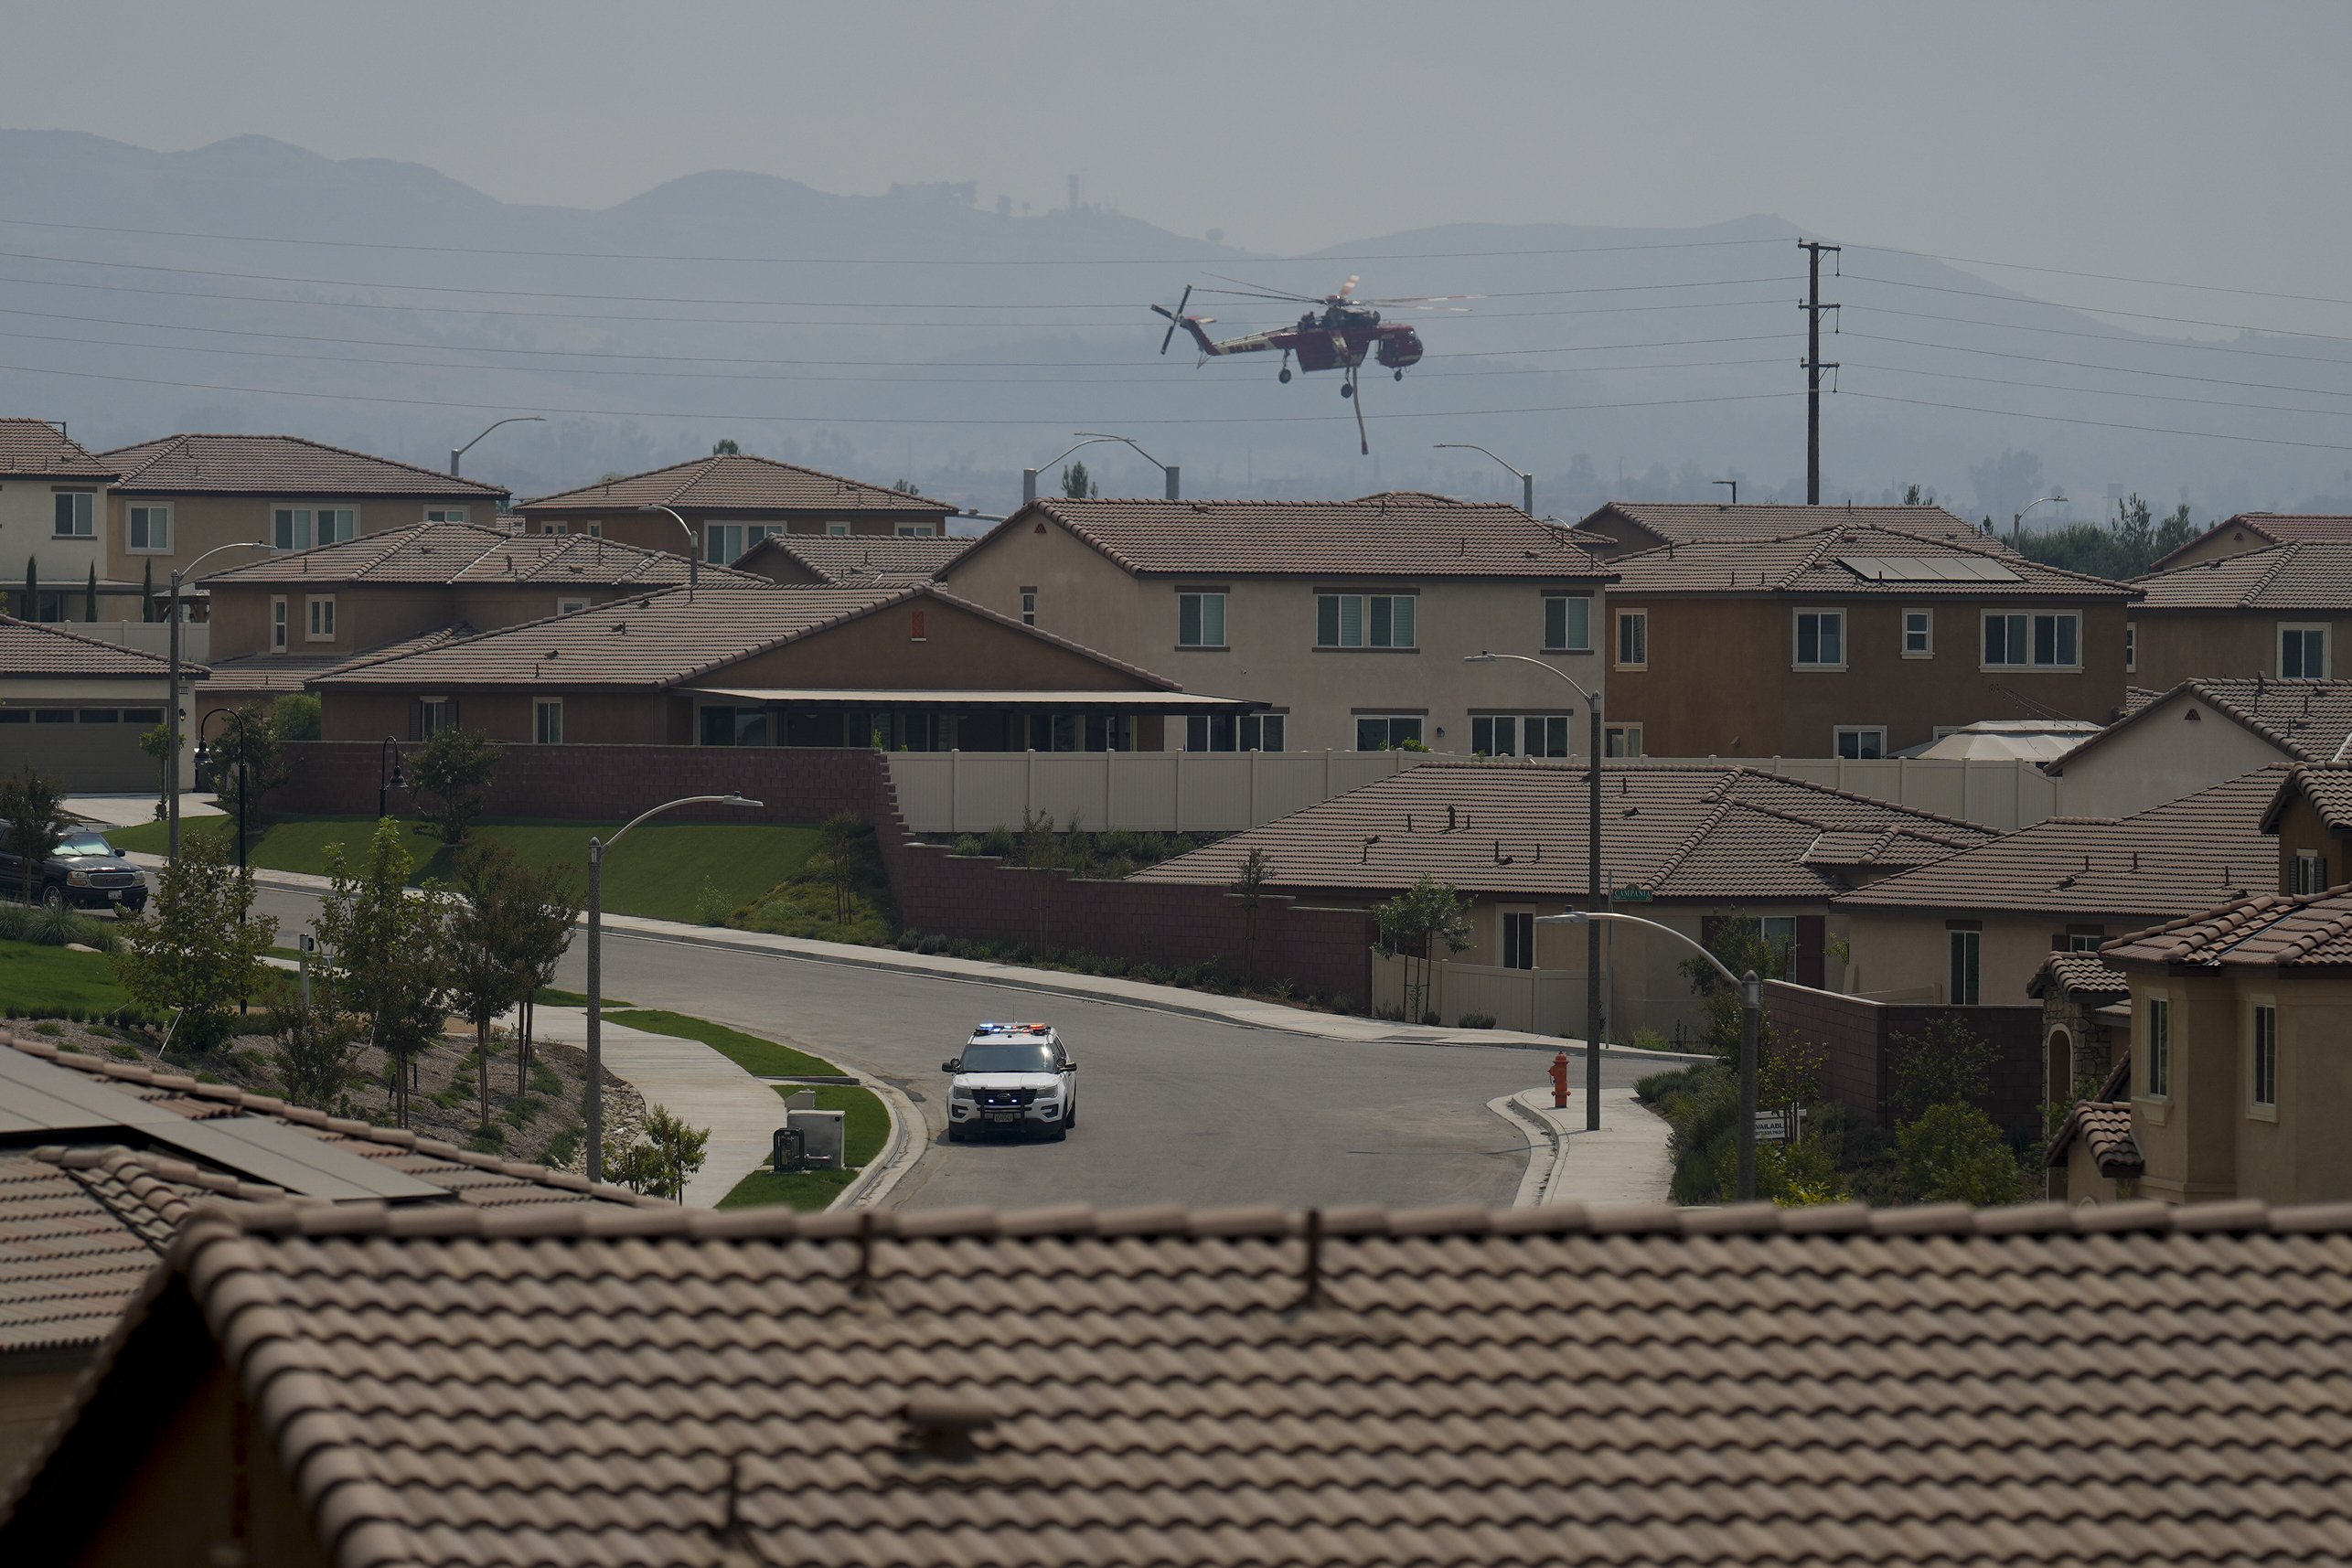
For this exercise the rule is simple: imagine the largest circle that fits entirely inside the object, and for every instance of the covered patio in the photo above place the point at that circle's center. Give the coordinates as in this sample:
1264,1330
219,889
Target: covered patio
947,720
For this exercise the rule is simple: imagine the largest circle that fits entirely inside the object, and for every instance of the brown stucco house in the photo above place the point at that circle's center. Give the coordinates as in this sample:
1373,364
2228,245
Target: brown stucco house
1349,620
2202,732
728,502
181,496
2311,818
1628,528
1855,640
2279,613
2253,531
902,668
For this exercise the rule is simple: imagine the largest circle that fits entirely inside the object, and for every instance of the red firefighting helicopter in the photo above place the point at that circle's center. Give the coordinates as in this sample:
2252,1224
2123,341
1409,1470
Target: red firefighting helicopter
1336,336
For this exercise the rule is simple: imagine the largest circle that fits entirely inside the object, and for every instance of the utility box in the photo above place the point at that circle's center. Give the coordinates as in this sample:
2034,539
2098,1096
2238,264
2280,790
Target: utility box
819,1135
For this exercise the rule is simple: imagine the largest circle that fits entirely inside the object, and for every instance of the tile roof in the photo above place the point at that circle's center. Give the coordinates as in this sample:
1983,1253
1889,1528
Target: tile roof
1677,831
289,466
2083,975
665,639
734,482
1380,536
2328,787
293,672
1637,1385
2105,1128
2305,576
2308,719
30,648
2168,861
858,561
462,553
1817,562
2265,930
37,449
2277,528
1692,522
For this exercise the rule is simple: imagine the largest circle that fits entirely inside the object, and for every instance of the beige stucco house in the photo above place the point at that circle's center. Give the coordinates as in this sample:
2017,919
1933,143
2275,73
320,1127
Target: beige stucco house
2201,733
52,517
1351,619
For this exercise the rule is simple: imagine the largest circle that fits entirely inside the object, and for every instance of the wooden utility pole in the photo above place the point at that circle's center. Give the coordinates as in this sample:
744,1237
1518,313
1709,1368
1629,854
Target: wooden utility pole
1813,307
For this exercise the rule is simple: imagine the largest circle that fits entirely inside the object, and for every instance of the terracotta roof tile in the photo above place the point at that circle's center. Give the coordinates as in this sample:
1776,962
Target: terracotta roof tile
1642,1386
2266,931
36,449
292,672
2105,1128
1690,522
1851,559
860,561
41,648
1380,536
2168,861
461,553
2273,527
289,466
2086,975
2326,785
2311,575
1676,831
737,483
2309,719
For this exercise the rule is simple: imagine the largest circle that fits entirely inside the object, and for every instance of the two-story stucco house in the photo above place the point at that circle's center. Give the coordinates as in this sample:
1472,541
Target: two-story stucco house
721,506
1351,619
52,520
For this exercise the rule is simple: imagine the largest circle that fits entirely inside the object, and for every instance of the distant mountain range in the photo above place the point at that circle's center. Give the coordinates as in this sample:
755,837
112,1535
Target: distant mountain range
251,286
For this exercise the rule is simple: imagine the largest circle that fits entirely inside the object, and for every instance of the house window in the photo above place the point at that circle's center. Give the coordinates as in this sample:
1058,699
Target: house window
1386,732
724,543
837,531
151,530
277,625
1568,623
1622,741
2308,873
1200,620
1779,935
1262,731
1861,743
75,520
914,628
569,606
2302,653
1510,735
2131,647
595,530
1365,621
1028,606
555,527
1967,956
738,726
1633,639
2033,642
444,514
547,721
916,530
1519,939
321,620
299,528
1206,732
1919,633
434,714
1821,639
2266,1056
2159,1048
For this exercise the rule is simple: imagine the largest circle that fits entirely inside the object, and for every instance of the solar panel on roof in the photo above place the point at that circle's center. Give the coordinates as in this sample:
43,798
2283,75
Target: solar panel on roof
1928,568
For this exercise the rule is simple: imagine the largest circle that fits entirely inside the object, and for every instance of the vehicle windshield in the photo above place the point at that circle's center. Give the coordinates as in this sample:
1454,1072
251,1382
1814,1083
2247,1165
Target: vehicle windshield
84,844
1008,1058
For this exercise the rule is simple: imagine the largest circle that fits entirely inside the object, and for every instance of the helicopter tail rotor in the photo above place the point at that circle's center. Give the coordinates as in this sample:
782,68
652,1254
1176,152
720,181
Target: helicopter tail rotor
1175,317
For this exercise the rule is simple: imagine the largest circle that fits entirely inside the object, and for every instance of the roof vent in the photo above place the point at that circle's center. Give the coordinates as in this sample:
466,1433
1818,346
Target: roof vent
554,652
942,1429
2191,715
620,626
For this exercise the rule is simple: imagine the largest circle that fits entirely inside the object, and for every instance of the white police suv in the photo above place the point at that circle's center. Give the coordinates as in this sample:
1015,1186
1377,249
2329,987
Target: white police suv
1014,1076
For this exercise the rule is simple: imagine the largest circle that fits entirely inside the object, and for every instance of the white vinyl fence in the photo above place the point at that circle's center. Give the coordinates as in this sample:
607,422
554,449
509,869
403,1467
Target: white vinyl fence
148,636
1224,792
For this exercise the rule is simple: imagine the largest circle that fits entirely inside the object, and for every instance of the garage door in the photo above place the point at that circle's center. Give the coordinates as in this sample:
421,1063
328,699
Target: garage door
94,750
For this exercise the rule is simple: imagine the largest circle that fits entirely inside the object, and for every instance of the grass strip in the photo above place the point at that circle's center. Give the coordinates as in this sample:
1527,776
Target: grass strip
39,981
550,996
760,1058
865,1131
806,1190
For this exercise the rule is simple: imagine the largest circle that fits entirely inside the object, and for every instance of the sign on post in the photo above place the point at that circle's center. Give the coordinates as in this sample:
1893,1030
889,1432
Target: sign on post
1780,1126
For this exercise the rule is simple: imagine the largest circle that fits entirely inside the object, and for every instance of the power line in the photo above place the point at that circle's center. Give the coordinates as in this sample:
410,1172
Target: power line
2102,424
2087,365
2106,392
2103,310
2103,277
2168,345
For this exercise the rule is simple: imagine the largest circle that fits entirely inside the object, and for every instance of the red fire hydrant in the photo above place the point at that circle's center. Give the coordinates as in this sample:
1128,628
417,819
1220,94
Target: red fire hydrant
1559,1080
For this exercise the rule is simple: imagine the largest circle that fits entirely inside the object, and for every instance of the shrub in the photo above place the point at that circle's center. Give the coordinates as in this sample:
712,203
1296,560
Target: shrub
1341,1002
908,941
1649,1040
935,945
711,905
127,1052
997,841
1953,1154
1477,1020
50,1029
15,920
969,844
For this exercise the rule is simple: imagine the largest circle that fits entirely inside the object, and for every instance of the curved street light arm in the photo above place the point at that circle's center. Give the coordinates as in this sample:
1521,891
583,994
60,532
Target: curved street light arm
458,452
1592,698
1526,476
693,560
1580,917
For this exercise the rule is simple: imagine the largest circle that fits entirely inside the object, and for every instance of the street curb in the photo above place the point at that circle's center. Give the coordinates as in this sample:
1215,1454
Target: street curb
1536,1180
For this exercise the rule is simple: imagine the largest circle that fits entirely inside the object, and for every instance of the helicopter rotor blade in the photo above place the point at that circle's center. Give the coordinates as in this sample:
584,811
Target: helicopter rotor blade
1346,290
1175,318
1422,299
1263,290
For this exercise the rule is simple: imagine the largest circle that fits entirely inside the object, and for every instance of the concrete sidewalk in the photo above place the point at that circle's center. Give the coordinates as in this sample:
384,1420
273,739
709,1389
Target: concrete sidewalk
132,810
1624,1160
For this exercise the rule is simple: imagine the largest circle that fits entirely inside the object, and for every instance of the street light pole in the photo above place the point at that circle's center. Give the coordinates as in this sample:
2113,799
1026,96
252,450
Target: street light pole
1751,1009
596,967
458,452
1527,480
1592,884
693,547
245,791
171,708
2017,523
1029,475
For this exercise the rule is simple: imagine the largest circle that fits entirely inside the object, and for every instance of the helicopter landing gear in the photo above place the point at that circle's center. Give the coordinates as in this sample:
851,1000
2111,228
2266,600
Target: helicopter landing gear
1347,388
1284,376
1400,375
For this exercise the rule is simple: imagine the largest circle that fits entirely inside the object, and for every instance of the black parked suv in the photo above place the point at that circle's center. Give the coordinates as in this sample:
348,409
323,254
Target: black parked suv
84,872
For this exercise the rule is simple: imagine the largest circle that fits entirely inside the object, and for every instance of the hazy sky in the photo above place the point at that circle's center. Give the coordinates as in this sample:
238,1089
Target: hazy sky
2196,143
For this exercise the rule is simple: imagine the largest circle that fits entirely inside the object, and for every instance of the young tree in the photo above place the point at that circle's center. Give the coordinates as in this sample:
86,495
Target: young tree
726,447
1945,1063
1953,1154
90,598
670,1156
1410,924
157,744
1250,885
549,904
33,806
32,589
314,1051
837,841
386,956
486,937
1076,483
296,715
147,599
456,765
246,763
198,949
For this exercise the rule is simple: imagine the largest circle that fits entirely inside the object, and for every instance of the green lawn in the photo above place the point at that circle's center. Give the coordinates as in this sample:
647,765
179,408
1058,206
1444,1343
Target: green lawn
658,870
551,996
865,1130
760,1058
37,981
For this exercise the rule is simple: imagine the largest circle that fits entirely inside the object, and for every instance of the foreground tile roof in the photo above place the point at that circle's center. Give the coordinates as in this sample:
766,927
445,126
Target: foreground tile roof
2102,1121
2266,931
738,482
290,465
1690,522
1395,534
2311,575
2277,528
30,648
2086,975
2167,861
459,554
1675,831
1636,1385
860,560
2307,720
36,449
1850,560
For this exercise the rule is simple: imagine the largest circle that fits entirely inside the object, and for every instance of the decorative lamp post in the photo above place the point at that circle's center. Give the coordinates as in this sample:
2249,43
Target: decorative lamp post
389,776
171,710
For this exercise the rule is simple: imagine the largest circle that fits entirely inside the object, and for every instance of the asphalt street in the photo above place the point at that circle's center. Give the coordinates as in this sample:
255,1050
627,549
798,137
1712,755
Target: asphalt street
1170,1109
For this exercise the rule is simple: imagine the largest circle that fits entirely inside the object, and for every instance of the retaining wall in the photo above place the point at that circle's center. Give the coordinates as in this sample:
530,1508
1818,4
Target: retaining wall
1858,1036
